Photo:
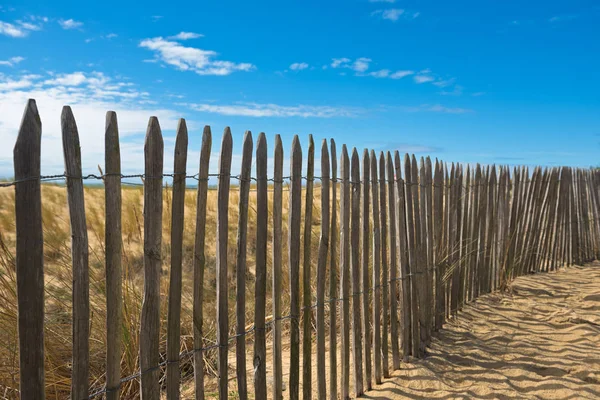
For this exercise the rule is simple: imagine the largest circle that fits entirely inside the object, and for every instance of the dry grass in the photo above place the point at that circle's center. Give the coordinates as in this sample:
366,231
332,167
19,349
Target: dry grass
58,279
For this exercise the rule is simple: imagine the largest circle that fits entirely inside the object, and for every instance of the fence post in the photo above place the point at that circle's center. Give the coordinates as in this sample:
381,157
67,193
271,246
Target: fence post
174,311
113,248
402,245
345,270
240,267
277,257
221,267
200,261
307,308
370,168
321,270
262,217
333,267
294,264
30,254
438,215
79,253
393,278
367,343
412,258
384,279
356,289
150,321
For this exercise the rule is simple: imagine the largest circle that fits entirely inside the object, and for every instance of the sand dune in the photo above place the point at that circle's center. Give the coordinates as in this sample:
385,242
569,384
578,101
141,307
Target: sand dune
541,340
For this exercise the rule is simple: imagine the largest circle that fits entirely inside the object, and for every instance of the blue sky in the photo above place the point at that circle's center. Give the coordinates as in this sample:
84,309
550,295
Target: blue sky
508,82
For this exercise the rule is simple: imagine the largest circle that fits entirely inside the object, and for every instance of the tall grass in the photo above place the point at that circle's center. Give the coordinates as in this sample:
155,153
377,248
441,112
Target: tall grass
58,278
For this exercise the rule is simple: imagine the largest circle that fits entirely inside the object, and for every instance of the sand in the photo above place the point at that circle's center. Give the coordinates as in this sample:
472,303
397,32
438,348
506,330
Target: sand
540,340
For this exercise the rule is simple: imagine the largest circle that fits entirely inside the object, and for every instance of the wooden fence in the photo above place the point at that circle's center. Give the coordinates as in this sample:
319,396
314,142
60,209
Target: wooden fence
411,242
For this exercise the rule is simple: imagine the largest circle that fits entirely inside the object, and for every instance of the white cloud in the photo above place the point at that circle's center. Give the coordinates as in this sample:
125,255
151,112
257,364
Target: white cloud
392,14
382,73
111,36
437,108
193,59
337,62
382,1
359,65
298,66
73,79
423,78
90,100
186,36
70,24
401,74
12,61
11,30
274,110
561,18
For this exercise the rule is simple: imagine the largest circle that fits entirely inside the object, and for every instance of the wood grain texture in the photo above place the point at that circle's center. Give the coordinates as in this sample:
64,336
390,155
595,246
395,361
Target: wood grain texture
113,250
393,282
321,272
79,255
356,288
175,278
412,258
241,267
405,290
200,261
221,267
30,254
333,277
345,271
306,275
294,264
384,267
366,288
277,261
260,288
153,207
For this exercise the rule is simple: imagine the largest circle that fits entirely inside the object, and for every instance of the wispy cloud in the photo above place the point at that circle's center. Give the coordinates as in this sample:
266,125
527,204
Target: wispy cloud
436,108
562,18
156,18
186,36
382,1
11,62
186,58
299,66
111,36
274,110
401,74
70,24
392,14
359,65
421,78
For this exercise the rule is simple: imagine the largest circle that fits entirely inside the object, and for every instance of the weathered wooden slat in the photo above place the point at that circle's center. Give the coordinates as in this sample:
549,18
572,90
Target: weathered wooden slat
306,283
430,246
345,270
260,289
384,267
321,271
153,206
30,254
200,261
421,269
175,279
405,296
79,254
370,176
221,267
241,267
333,276
412,258
393,280
295,199
366,288
439,253
113,249
277,260
355,261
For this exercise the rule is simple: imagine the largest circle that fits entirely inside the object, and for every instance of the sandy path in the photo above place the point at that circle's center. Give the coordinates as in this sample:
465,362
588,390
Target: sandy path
540,341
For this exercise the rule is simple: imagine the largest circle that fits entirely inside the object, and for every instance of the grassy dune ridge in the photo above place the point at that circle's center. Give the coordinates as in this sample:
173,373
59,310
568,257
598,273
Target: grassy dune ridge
58,278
